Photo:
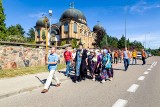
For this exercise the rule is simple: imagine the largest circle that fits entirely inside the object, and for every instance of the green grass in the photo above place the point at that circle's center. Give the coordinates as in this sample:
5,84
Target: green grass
26,70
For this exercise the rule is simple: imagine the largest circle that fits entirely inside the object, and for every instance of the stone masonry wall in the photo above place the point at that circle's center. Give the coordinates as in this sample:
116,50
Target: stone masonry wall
19,56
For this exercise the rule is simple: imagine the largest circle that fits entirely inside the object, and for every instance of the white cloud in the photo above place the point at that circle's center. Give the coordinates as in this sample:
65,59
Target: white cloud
142,6
37,15
152,39
41,14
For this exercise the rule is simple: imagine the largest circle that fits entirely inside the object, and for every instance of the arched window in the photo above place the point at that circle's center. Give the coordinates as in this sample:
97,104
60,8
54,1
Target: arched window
66,27
38,33
43,35
75,27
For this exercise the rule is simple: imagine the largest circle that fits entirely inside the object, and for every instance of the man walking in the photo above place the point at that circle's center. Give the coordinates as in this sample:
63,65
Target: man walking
134,57
126,58
143,57
81,64
52,66
115,57
68,59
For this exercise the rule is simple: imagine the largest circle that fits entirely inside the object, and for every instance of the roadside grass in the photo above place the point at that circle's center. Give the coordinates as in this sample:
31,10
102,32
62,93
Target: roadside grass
8,73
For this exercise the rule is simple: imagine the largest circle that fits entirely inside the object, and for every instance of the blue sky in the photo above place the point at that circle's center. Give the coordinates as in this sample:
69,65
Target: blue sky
142,16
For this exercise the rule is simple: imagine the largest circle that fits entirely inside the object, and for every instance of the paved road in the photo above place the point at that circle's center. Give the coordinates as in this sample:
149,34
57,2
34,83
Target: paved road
124,90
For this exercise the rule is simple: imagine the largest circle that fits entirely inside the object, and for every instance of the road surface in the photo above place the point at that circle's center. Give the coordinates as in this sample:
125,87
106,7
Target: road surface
137,87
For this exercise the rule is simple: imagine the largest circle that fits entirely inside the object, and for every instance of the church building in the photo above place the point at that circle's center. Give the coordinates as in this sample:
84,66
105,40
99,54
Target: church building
72,25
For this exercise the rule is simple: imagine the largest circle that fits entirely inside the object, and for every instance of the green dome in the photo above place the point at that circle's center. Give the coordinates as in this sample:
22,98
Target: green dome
40,23
98,27
73,14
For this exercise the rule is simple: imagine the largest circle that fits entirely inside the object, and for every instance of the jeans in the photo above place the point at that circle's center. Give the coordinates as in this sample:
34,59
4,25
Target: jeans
49,79
134,60
144,60
67,67
115,60
126,63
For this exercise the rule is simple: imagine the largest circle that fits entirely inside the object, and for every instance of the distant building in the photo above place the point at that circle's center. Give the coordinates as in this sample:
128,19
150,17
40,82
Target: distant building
72,25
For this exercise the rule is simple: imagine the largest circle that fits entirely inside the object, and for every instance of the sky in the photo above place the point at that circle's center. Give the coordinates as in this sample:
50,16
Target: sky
142,16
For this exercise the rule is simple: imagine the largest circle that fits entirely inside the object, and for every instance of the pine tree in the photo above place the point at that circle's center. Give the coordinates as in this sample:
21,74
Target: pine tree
2,22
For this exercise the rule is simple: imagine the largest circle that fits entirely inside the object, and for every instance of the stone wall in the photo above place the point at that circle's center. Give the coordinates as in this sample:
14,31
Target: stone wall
20,56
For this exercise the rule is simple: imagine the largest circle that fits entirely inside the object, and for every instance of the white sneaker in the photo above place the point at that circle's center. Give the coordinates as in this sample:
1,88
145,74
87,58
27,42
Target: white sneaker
111,79
93,79
103,81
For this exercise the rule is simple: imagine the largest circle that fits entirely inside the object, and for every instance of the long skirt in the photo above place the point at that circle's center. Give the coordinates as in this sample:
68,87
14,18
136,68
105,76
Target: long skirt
106,72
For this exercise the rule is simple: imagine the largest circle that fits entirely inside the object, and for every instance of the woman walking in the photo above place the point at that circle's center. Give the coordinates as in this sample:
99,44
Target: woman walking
93,65
106,66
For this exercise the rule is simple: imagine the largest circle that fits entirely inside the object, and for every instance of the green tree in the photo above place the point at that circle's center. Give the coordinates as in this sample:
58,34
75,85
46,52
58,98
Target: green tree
74,43
112,42
15,30
63,42
121,42
2,22
20,29
16,33
99,37
103,42
31,35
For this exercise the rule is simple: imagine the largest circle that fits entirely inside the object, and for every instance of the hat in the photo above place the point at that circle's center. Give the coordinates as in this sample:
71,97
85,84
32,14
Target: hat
91,51
105,51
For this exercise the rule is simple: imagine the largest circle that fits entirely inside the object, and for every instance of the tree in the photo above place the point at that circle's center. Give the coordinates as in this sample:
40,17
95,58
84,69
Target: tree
99,37
15,30
2,22
31,35
15,33
103,42
20,29
74,43
112,42
63,42
121,42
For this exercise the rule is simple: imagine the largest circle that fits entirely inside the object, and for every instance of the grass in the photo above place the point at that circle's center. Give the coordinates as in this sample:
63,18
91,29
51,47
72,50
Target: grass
26,70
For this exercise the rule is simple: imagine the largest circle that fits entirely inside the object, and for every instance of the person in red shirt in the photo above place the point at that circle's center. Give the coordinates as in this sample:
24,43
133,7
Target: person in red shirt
68,59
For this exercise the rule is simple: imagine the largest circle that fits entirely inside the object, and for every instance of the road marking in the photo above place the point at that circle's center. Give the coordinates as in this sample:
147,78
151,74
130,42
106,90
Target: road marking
149,69
155,63
146,72
141,78
133,88
120,103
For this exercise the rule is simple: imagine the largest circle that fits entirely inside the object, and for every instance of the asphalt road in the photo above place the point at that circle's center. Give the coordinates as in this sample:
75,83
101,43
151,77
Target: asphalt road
137,87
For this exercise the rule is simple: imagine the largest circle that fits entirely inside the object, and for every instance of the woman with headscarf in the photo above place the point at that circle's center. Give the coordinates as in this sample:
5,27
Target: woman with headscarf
93,65
106,66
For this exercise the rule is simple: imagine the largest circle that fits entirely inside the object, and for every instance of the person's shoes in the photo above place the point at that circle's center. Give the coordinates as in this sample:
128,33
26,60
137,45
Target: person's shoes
110,79
58,85
74,81
44,91
103,81
84,78
93,79
66,74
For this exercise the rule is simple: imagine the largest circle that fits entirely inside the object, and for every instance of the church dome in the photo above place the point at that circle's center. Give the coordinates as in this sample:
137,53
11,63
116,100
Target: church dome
73,14
40,23
98,27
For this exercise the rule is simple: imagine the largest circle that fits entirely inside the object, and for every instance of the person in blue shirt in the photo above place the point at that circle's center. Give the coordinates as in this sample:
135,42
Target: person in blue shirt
52,66
106,66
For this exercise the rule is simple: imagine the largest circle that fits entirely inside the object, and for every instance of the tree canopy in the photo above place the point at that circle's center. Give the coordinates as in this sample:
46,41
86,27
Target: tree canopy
2,22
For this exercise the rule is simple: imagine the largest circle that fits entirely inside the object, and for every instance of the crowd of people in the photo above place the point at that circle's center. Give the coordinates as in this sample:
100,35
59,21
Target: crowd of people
97,61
